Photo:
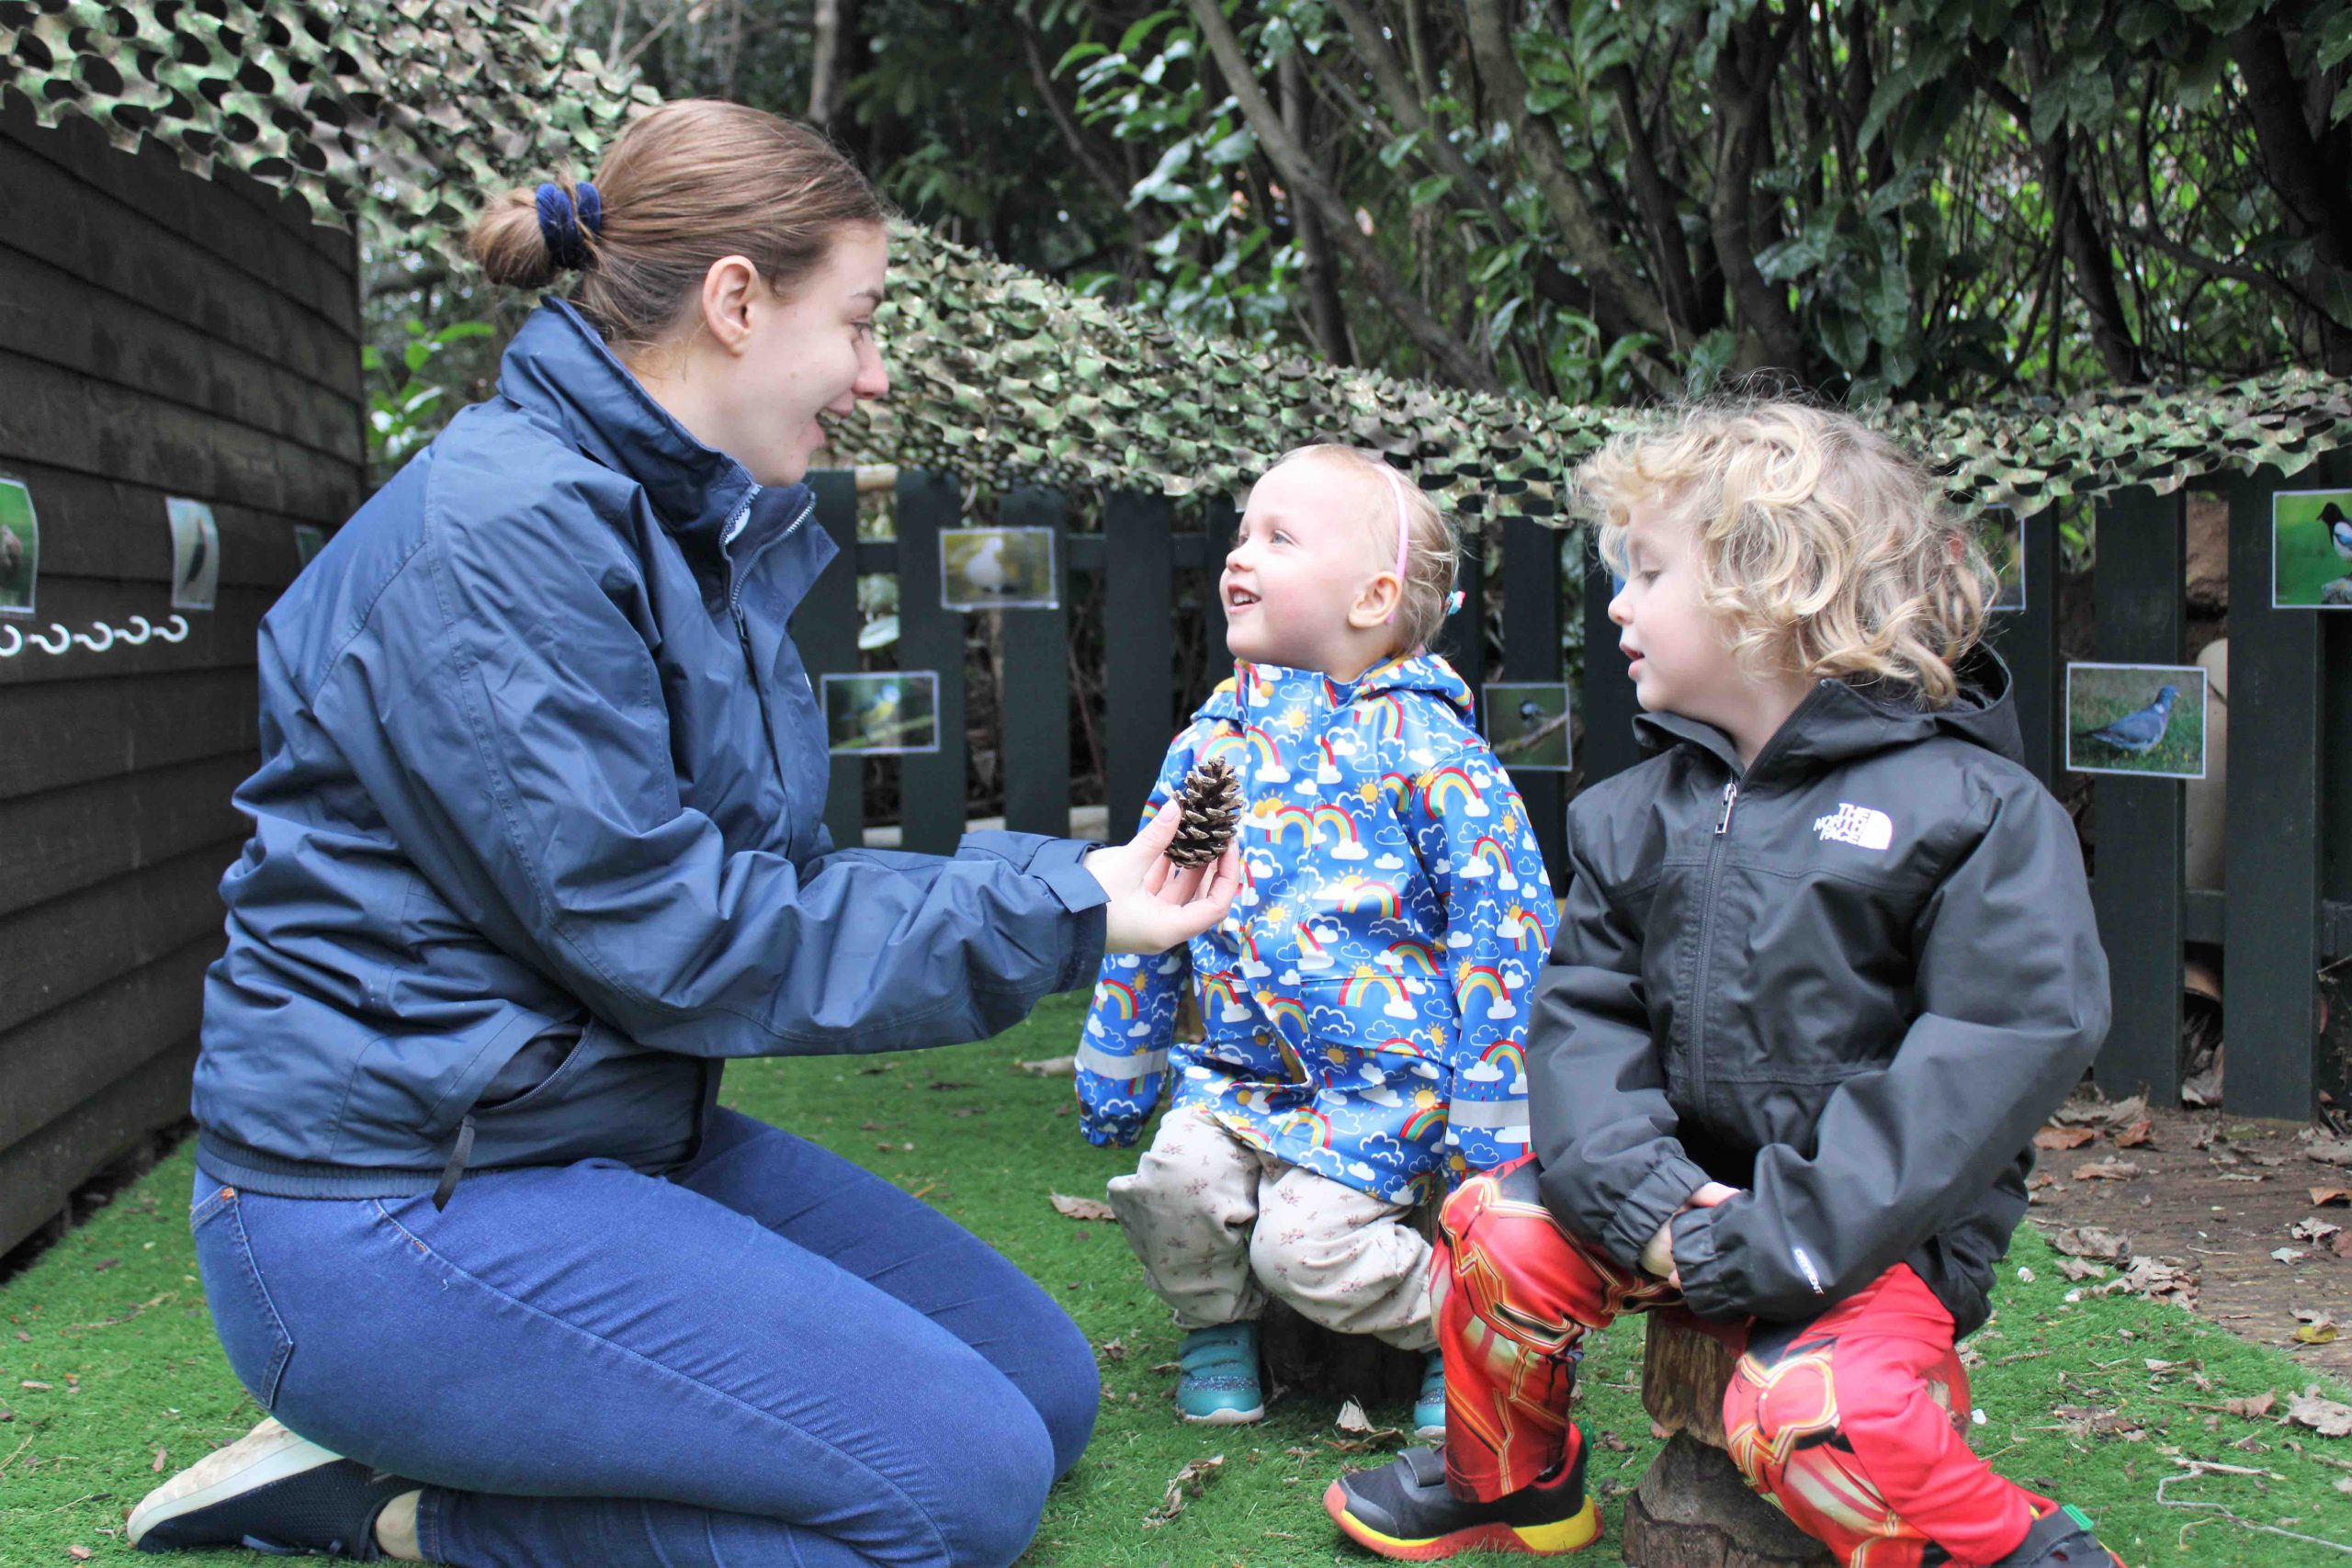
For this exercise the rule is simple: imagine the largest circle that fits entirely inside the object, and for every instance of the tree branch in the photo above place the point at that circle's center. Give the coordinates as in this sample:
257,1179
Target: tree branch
1742,77
1322,279
1041,75
1306,182
1615,290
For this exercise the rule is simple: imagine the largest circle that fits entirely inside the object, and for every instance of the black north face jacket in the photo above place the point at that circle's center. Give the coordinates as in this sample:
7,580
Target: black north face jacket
1851,980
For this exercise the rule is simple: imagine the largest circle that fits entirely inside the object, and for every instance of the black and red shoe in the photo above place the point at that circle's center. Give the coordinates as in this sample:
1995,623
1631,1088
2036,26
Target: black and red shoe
1404,1511
2061,1538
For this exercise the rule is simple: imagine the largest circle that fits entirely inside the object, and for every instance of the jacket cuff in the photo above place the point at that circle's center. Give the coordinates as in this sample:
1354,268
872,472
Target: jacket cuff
1653,1200
1705,1289
1061,864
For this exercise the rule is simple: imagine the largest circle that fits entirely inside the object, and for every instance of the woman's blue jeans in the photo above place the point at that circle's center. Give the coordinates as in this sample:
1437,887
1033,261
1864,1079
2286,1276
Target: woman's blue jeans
768,1357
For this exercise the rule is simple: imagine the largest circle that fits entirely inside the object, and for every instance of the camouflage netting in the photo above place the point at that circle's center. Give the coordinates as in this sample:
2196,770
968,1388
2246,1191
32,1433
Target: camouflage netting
408,108
999,374
413,112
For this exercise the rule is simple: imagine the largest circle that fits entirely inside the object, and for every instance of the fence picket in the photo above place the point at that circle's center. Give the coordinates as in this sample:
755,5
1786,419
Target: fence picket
1034,706
931,784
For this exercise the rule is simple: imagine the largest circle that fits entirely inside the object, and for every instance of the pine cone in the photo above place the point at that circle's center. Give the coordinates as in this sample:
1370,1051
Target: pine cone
1212,803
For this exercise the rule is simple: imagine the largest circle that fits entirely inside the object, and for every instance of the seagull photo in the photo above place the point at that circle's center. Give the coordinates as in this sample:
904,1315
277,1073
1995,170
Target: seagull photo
2311,551
997,568
2135,718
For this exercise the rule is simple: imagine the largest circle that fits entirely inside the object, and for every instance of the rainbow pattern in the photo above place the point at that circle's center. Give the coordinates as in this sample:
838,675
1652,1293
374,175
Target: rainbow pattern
1365,982
1356,894
1385,712
1224,743
1307,945
1278,821
1398,786
1219,988
1312,1125
1336,817
1413,957
1504,1052
1441,785
1402,1045
1483,978
1488,845
1426,1119
1119,994
1269,754
1282,1010
1526,930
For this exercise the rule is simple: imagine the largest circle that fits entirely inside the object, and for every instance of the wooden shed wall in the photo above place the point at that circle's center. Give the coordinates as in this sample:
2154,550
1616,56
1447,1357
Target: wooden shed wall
160,334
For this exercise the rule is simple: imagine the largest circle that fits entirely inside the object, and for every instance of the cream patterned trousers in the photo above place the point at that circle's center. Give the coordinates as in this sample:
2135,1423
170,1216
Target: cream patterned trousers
1220,1226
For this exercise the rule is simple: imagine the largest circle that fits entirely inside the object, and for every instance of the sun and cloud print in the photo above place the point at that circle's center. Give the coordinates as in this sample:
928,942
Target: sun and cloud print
1364,1006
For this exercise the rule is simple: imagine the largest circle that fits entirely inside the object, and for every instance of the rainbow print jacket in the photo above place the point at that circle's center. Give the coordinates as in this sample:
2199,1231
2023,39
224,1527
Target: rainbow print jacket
1365,1003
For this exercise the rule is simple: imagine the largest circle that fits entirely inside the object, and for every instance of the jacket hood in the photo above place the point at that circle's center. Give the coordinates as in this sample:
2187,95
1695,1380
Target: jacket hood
560,369
1838,721
1255,691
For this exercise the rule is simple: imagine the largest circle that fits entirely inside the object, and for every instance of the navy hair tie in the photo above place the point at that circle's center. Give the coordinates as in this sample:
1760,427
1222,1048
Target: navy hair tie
562,217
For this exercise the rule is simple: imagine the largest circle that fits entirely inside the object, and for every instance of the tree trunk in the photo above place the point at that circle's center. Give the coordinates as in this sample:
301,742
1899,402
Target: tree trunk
1693,1508
1323,307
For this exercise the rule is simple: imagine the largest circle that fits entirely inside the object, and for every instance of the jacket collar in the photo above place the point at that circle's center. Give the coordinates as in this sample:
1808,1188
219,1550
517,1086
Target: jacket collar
1255,690
1839,722
559,368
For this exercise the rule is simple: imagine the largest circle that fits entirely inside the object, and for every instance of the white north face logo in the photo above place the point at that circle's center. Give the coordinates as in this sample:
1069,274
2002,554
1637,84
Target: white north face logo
1857,824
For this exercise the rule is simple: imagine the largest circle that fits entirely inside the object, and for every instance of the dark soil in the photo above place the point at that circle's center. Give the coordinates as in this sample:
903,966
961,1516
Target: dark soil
2215,1196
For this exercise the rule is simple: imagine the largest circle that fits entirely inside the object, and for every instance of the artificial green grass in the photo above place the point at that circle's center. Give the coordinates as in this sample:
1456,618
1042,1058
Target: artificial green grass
112,1320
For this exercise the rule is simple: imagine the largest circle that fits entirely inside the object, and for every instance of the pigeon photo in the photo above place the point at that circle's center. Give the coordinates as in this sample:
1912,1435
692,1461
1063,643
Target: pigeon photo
19,549
888,713
195,553
1527,724
997,568
2311,549
2136,719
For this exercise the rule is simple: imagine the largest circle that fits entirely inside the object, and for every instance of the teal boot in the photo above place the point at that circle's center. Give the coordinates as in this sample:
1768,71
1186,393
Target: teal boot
1428,1407
1220,1382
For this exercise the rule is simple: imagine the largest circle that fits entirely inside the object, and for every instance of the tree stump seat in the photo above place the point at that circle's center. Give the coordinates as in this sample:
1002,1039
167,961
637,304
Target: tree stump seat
1693,1508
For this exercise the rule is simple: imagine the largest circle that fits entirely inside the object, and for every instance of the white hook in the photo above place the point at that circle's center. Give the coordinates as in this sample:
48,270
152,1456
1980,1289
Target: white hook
179,633
65,640
15,641
92,643
145,631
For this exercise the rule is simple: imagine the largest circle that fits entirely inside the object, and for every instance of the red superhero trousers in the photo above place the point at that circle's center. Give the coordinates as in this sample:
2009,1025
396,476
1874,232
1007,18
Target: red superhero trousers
1853,1424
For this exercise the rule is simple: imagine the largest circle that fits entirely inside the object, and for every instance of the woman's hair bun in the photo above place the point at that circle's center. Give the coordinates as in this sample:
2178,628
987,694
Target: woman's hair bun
508,242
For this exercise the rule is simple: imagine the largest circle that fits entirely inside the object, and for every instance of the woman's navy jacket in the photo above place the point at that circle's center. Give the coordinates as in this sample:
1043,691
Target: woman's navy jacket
536,832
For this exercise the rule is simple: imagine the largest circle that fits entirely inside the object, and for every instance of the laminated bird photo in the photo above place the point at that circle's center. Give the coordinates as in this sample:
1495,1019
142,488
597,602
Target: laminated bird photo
997,568
19,549
2136,719
886,713
2311,549
195,553
1527,724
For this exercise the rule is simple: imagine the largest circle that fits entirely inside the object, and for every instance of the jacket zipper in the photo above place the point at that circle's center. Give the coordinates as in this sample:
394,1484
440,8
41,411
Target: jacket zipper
744,625
1706,946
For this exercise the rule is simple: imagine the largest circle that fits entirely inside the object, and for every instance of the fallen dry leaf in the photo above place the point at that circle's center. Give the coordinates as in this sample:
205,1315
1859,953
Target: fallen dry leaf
2312,1230
2253,1408
1050,1066
1186,1485
2079,1269
2155,1279
2107,1170
1362,1436
2322,1196
2091,1241
2057,1137
1082,1208
2288,1254
78,1553
2328,1417
2132,1137
158,1466
2330,1150
1115,1349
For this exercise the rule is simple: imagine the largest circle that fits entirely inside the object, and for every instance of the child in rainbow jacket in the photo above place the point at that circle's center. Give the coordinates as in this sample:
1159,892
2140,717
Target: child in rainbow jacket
1365,1003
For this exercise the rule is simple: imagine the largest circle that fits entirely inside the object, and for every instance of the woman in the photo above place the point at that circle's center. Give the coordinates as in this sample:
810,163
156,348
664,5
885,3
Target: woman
536,847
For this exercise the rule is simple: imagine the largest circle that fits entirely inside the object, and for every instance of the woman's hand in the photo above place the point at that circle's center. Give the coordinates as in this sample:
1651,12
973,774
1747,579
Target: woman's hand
1154,903
1658,1257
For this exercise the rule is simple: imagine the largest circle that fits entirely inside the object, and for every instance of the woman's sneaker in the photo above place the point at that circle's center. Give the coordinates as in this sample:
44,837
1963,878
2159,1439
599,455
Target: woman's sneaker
1220,1382
1404,1511
272,1491
1428,1406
